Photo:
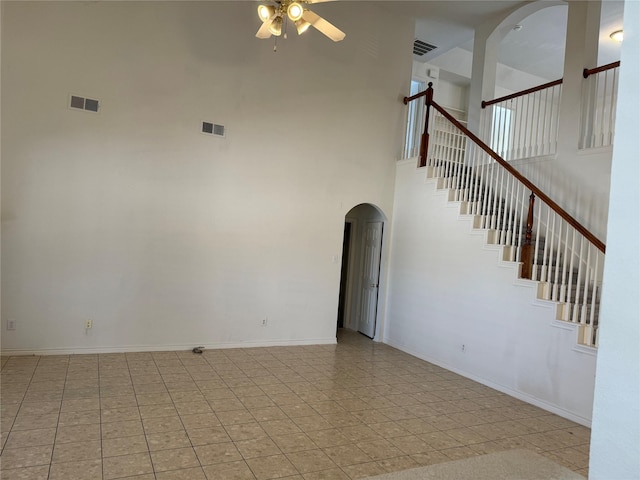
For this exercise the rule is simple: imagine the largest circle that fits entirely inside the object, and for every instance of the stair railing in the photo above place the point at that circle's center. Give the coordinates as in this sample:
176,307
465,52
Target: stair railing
554,248
523,124
599,98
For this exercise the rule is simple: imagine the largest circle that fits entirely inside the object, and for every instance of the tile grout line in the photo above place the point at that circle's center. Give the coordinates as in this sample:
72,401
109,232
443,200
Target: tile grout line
64,387
153,468
255,476
100,429
328,375
17,411
21,402
186,432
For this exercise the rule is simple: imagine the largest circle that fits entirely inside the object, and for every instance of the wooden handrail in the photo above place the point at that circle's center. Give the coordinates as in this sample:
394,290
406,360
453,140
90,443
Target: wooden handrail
585,73
590,71
406,100
534,189
520,94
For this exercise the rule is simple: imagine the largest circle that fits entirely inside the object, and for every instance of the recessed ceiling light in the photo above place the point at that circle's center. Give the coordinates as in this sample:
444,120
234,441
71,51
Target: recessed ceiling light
617,36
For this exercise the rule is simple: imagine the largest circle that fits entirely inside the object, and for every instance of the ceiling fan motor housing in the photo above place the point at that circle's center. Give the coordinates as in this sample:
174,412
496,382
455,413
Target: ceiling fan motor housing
273,17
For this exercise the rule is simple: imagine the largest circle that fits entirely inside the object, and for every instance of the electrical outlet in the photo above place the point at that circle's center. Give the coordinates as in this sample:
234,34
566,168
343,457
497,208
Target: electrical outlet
88,324
11,324
264,322
463,347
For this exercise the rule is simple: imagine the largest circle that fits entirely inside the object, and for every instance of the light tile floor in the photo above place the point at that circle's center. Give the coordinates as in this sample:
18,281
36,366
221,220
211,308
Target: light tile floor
342,411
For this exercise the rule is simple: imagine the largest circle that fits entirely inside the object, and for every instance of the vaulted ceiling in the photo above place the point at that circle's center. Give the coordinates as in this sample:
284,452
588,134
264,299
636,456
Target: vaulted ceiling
537,48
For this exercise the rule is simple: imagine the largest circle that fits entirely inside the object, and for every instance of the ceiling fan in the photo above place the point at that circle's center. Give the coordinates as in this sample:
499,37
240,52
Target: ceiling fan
276,15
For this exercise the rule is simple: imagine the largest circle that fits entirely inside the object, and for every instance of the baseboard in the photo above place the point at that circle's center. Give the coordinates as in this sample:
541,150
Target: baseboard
496,386
165,348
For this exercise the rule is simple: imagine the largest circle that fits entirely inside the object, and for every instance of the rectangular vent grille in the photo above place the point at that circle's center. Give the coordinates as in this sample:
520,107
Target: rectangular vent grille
420,47
213,129
81,103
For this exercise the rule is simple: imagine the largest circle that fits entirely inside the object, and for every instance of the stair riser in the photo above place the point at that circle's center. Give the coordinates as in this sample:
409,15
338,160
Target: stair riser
505,228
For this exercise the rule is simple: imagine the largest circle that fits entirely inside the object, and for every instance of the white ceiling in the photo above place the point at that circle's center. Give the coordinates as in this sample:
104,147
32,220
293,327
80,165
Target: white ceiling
538,48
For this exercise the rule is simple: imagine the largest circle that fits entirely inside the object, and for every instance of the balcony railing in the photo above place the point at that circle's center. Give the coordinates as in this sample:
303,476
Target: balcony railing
523,124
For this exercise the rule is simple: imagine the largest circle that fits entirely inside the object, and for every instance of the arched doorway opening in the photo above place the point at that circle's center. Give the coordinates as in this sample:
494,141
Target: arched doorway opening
360,272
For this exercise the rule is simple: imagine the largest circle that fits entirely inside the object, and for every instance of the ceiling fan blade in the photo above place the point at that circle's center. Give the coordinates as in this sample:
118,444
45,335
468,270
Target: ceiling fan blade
263,31
323,26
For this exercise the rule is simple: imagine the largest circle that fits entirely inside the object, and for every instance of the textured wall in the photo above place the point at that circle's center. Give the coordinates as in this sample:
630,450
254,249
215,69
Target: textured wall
448,289
164,236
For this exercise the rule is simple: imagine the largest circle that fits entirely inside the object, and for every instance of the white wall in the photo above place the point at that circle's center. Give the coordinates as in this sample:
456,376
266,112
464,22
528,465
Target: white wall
578,183
445,93
616,411
508,80
161,235
448,289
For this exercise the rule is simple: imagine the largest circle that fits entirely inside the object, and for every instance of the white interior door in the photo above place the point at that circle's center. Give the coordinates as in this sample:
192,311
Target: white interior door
372,243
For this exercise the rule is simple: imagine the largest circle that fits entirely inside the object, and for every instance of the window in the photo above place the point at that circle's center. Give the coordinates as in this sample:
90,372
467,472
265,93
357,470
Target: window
415,122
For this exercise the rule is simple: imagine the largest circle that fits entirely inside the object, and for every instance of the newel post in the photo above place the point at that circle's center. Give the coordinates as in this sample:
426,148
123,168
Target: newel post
424,143
527,245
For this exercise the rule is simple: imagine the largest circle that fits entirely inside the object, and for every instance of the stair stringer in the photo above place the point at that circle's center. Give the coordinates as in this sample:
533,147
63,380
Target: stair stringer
502,253
523,351
561,309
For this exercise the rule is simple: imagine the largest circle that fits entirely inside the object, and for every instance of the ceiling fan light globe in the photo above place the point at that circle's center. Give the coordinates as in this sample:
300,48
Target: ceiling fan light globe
617,36
276,27
265,12
302,26
295,11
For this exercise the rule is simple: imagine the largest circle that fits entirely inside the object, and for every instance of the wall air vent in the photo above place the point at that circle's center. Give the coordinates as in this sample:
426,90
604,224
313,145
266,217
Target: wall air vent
420,47
213,129
81,103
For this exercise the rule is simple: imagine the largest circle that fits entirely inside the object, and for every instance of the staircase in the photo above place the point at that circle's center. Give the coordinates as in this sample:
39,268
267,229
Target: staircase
565,261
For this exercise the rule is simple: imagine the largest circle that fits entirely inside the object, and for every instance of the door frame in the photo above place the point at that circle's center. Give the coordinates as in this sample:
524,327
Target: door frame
357,217
352,267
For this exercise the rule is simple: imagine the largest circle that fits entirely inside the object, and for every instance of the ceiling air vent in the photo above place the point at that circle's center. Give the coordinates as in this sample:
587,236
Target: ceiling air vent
213,129
81,103
420,47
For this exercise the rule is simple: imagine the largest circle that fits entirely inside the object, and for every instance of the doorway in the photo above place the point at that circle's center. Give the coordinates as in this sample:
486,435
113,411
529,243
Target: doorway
360,270
344,272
